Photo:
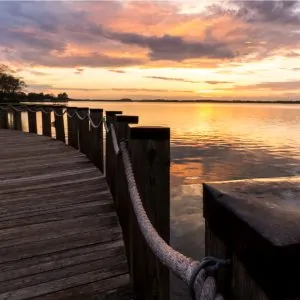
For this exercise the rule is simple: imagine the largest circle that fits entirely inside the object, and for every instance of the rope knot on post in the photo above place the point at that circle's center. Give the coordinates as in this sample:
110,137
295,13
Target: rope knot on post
202,283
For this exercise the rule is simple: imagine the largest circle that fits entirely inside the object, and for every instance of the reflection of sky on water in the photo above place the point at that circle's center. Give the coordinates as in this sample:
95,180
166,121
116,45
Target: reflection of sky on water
212,142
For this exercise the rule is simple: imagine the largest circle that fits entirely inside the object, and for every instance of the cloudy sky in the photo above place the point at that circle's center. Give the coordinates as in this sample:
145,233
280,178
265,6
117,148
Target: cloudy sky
178,49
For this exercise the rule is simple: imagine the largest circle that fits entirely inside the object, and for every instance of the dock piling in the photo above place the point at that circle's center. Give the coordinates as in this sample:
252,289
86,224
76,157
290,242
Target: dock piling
83,130
3,117
150,153
122,198
254,223
17,123
46,120
59,123
32,124
110,157
96,138
72,127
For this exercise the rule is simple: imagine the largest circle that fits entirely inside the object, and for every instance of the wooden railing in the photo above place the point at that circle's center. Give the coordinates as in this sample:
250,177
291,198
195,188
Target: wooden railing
71,125
149,148
150,152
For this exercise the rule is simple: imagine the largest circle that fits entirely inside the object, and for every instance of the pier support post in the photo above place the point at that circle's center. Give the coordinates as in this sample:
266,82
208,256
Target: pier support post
46,120
122,198
110,158
72,127
3,118
32,124
255,224
17,122
83,130
150,151
96,139
59,123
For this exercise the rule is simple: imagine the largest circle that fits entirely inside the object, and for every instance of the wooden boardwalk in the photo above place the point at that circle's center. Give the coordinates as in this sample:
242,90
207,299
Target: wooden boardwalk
59,232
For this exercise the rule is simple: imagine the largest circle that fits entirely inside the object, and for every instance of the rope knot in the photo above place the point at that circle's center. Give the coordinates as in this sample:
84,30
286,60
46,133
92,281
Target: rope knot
203,276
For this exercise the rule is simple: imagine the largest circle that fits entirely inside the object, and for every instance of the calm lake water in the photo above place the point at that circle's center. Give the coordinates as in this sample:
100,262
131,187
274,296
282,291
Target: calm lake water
216,142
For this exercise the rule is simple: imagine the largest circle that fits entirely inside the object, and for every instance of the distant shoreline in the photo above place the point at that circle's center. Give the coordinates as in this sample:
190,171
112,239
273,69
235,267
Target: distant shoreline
192,101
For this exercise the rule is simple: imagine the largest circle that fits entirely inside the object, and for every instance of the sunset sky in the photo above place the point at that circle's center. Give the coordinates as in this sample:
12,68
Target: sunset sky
178,49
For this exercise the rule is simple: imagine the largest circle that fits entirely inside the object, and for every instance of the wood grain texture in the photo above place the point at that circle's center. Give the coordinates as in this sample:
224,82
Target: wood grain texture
60,236
150,155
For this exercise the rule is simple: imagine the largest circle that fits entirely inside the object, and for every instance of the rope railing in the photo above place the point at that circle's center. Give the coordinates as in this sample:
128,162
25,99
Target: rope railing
25,108
198,275
92,122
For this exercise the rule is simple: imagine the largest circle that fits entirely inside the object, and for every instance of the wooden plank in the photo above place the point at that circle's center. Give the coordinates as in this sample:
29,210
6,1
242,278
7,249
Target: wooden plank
96,236
33,172
114,288
56,228
66,183
106,271
83,210
90,188
58,260
60,236
55,177
78,265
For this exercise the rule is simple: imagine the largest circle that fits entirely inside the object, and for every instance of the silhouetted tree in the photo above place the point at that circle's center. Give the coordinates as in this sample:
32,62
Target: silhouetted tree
10,85
8,82
62,97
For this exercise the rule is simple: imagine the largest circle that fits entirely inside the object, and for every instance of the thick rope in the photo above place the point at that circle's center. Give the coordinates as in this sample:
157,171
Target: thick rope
71,115
60,115
45,111
114,139
191,272
95,126
16,109
106,126
80,117
31,110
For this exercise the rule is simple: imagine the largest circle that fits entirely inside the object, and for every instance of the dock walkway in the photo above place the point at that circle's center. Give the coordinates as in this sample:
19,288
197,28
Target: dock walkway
59,232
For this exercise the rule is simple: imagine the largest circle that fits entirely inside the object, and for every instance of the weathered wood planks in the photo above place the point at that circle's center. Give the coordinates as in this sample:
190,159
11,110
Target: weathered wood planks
60,237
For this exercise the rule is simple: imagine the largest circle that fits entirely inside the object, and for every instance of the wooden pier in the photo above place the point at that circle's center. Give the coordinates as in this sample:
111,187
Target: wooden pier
69,232
59,232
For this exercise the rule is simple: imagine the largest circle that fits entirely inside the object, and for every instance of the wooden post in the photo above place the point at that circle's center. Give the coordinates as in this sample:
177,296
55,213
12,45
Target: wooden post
46,120
150,151
110,158
59,123
17,122
96,139
72,127
122,199
31,111
3,118
83,130
254,223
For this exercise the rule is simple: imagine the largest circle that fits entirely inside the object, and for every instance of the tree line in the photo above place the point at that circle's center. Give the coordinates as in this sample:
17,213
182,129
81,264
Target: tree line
12,89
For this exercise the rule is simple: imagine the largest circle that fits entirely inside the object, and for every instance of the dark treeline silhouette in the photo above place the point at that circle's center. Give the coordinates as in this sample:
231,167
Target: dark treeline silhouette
11,89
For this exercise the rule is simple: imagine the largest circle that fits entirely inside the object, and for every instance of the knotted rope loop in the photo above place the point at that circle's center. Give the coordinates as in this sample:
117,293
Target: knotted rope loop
202,284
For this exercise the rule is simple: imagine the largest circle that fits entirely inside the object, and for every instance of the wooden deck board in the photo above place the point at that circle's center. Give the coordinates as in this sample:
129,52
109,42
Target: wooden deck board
60,236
